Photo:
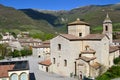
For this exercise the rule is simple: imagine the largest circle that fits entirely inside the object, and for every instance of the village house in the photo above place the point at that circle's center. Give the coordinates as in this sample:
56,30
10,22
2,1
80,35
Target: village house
29,42
14,70
80,53
43,50
13,43
45,65
116,42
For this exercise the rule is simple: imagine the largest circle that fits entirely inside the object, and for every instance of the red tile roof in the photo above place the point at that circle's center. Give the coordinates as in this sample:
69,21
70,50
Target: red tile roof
113,49
4,70
46,62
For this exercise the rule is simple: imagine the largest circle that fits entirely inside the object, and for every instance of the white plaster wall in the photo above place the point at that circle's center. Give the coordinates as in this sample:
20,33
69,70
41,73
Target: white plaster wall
40,52
35,51
42,68
18,72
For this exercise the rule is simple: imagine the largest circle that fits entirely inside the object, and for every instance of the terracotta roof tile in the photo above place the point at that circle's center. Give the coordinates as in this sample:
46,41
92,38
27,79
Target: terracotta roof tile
94,37
78,22
46,42
113,49
88,37
46,62
70,36
42,46
96,65
4,70
117,40
87,59
12,66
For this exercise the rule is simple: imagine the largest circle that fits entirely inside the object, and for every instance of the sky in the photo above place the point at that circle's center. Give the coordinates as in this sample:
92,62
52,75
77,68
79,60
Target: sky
54,4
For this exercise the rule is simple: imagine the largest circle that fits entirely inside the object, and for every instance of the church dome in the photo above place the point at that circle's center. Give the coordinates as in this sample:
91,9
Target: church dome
78,22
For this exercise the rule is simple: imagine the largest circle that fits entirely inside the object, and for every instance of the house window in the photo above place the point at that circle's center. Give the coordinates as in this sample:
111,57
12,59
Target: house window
53,60
14,76
59,46
24,76
65,62
80,34
106,28
79,55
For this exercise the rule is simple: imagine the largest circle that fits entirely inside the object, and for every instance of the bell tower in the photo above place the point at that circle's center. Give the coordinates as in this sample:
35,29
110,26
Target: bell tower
107,28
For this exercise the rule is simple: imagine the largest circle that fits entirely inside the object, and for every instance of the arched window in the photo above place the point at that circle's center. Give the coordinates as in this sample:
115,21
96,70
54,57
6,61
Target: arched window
106,28
24,76
14,76
59,46
54,61
65,62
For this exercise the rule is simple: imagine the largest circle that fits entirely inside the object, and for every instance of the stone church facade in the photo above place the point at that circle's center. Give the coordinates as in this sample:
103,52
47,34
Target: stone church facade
80,53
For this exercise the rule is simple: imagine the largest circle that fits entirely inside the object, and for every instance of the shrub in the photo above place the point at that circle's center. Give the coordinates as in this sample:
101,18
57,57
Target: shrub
103,77
111,73
117,60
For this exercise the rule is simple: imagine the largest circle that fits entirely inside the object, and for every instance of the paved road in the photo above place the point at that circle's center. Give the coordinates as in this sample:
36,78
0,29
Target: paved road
116,79
40,75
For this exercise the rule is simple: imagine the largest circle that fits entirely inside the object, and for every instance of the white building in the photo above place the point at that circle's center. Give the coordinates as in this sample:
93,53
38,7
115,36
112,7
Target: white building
116,42
29,42
7,35
80,53
44,65
42,51
14,70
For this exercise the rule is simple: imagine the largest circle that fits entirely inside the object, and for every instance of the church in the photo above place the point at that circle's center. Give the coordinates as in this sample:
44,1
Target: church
80,53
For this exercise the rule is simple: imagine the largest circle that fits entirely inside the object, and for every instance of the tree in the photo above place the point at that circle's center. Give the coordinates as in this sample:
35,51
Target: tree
0,36
14,34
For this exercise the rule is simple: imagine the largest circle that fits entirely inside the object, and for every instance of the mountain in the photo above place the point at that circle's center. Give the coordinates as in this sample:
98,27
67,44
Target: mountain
93,14
16,21
47,21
